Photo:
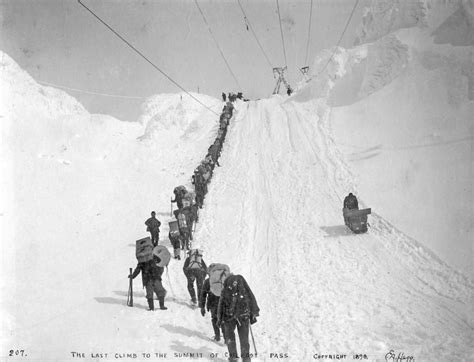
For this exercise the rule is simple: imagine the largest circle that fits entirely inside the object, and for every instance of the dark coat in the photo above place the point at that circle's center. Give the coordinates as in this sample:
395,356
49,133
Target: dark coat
212,299
178,198
153,224
150,271
237,300
350,202
189,213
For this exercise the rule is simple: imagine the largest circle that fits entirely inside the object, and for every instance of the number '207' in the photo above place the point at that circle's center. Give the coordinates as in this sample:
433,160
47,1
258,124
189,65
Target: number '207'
17,352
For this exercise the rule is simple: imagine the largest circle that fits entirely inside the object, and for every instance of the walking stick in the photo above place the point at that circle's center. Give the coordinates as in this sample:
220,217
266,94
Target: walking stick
253,340
171,207
130,291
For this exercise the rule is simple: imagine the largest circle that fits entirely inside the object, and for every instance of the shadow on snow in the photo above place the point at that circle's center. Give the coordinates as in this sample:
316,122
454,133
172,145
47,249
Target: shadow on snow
335,231
110,300
185,332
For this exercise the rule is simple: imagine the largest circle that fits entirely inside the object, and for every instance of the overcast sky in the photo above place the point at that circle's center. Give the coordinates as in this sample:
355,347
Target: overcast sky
59,42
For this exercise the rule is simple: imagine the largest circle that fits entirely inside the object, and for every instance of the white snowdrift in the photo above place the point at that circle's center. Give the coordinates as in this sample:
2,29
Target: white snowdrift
402,114
76,191
275,217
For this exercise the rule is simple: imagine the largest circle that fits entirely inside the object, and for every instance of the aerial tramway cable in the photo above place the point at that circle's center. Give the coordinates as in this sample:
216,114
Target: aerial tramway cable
340,38
247,22
89,92
217,44
309,33
144,57
281,31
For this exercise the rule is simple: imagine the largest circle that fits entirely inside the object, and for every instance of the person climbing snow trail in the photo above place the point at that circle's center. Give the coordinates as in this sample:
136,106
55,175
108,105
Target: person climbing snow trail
194,269
153,226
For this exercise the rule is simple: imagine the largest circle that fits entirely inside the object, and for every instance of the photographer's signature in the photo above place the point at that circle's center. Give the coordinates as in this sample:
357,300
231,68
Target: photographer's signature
392,357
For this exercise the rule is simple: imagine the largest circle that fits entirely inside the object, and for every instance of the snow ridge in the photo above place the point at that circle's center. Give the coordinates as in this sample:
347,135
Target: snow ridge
48,101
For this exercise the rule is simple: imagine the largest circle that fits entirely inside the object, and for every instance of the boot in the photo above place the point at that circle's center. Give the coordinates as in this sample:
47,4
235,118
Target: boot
162,303
151,305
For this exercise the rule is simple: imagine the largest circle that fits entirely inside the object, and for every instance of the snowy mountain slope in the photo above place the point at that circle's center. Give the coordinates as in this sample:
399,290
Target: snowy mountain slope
78,188
76,192
275,216
401,108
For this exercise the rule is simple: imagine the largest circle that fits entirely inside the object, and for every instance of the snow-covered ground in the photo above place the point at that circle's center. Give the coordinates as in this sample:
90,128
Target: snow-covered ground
77,188
402,108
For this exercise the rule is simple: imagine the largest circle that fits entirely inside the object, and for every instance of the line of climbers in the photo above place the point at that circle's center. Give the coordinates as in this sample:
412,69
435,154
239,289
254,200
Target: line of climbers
189,202
233,97
226,296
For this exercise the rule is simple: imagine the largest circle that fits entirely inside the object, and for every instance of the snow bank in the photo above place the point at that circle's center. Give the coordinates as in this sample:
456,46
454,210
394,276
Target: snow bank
458,28
75,193
387,16
401,114
275,217
47,101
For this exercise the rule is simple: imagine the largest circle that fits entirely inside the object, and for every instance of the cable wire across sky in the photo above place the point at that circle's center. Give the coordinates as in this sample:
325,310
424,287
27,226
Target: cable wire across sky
144,57
89,92
281,31
309,33
217,44
255,35
340,38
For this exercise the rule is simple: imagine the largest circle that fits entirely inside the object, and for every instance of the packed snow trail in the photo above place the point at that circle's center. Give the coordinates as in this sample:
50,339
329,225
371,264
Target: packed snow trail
273,214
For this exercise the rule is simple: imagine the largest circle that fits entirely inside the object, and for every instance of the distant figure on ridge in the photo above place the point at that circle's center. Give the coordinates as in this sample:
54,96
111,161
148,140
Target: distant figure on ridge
153,226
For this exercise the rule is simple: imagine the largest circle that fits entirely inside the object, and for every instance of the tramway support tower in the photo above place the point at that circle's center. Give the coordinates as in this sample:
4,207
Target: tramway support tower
280,73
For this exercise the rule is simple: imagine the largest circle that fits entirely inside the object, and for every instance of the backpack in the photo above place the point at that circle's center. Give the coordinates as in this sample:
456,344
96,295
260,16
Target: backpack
195,259
174,229
144,250
190,195
163,255
217,275
182,221
238,297
186,203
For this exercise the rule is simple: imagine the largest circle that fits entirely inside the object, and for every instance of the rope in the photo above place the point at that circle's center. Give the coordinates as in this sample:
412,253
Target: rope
144,57
88,92
309,33
217,44
255,35
281,31
169,281
340,38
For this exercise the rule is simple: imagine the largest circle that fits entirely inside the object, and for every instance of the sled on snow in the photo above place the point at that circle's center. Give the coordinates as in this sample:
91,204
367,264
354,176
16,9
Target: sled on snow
356,220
